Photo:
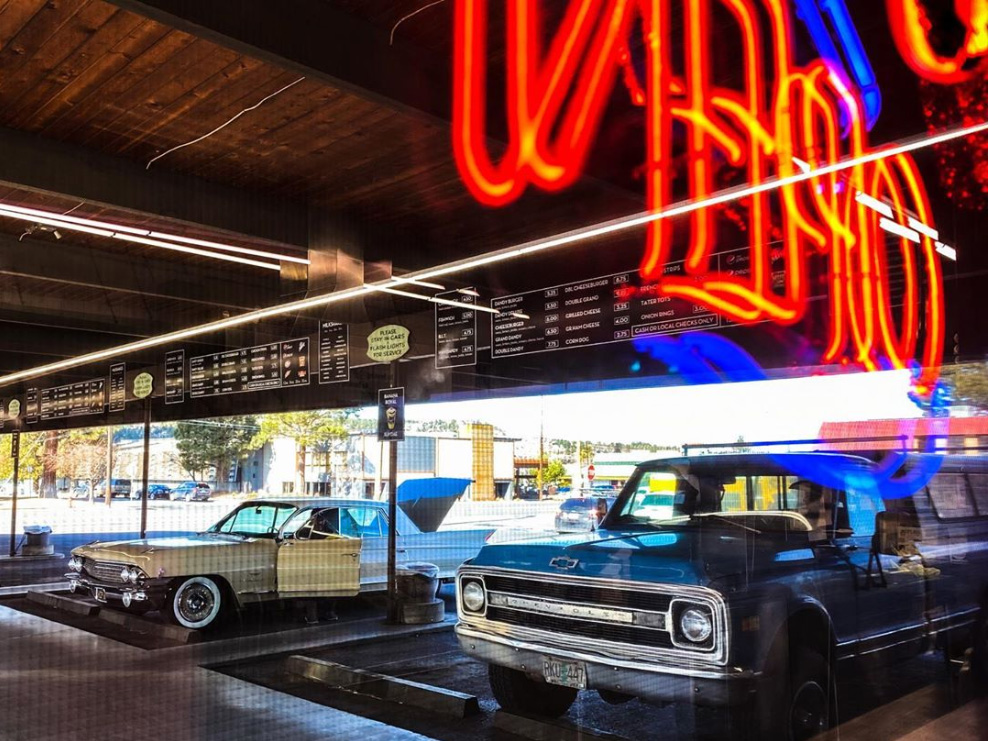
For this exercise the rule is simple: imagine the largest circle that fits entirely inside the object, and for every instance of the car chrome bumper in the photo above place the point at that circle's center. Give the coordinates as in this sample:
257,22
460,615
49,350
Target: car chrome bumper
151,593
652,682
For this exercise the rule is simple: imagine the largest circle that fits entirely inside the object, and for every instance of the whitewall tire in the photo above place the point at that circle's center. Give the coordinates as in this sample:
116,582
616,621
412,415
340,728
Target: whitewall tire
196,603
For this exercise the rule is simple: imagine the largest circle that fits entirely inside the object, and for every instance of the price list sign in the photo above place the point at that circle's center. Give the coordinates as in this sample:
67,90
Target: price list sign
271,366
456,330
334,352
611,308
118,387
175,377
73,400
31,407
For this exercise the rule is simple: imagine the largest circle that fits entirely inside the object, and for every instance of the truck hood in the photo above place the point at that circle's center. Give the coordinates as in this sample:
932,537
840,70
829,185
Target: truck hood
172,555
651,557
689,555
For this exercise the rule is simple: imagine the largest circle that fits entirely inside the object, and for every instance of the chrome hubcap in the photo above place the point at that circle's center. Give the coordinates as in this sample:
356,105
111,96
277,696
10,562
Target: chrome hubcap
195,603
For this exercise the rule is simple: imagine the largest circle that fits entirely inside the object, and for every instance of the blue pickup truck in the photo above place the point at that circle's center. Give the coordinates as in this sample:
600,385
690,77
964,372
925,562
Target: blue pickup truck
745,594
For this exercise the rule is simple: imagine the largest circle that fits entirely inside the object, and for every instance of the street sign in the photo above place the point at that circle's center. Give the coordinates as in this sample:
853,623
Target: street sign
391,414
143,384
387,343
14,409
591,472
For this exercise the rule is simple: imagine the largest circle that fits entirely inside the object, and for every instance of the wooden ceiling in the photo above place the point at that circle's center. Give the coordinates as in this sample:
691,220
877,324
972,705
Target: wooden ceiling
91,74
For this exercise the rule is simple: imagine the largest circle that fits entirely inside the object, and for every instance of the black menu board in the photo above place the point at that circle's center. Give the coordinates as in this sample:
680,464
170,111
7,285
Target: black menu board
118,387
175,377
275,365
31,409
611,308
73,400
334,352
456,330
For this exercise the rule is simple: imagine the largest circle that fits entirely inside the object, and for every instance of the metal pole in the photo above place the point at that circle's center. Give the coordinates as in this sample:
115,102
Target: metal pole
108,493
392,516
15,453
147,456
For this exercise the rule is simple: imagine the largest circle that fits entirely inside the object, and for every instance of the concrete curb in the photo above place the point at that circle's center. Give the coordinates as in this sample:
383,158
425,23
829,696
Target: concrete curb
66,604
22,590
383,687
138,624
547,730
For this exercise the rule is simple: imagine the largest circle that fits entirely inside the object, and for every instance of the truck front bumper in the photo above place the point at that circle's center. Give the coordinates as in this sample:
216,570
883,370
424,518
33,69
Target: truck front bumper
718,687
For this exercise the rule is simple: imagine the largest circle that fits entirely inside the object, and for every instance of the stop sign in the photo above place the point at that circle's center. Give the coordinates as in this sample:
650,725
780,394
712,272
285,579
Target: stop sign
590,472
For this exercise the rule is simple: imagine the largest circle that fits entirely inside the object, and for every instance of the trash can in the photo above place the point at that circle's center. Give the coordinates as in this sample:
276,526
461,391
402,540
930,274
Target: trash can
416,586
36,541
417,582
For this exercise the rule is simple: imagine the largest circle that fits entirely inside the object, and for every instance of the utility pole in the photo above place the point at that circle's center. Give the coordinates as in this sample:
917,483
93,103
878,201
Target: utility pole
144,472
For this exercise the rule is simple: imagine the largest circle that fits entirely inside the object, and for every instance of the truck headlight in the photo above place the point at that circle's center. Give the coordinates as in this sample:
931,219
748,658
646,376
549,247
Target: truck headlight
473,596
695,625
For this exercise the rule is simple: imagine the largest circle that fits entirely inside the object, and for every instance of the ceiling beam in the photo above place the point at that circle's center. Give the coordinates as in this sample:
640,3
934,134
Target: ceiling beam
319,41
35,163
85,267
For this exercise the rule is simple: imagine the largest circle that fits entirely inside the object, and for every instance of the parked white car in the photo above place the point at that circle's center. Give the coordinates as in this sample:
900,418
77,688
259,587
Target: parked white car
264,550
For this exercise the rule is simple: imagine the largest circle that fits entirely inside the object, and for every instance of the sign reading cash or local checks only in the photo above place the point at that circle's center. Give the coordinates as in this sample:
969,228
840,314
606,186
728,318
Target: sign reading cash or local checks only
143,384
14,409
387,343
391,414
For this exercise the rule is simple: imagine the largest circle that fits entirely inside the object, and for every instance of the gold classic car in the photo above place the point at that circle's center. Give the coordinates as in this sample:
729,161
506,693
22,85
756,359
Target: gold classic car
263,550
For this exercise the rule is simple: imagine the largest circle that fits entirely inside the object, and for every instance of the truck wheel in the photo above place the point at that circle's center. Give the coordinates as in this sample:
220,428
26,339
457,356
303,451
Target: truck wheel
195,603
810,697
515,692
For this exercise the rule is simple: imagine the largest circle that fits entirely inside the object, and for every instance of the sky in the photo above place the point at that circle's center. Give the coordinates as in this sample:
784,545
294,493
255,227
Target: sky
763,410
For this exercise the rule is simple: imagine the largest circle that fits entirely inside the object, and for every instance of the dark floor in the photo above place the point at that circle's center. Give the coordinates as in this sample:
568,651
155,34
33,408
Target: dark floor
435,659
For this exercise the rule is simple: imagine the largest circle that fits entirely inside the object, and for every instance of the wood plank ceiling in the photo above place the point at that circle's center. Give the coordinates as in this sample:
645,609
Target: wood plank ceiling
89,73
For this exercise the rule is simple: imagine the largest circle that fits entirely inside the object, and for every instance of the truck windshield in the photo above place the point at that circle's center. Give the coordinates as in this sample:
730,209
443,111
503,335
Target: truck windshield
760,500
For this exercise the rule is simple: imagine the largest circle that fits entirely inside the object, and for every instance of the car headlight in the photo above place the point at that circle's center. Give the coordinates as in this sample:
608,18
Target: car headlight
75,564
695,625
473,596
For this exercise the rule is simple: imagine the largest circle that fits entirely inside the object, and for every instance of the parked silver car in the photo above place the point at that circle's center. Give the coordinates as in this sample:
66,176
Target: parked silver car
581,514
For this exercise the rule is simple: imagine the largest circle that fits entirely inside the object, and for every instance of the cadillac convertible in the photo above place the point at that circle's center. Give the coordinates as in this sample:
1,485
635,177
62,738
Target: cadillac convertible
764,574
270,549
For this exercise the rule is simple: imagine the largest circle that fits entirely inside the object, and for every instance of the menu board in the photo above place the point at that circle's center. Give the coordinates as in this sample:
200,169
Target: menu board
611,308
334,352
276,365
73,400
118,387
31,409
175,377
456,330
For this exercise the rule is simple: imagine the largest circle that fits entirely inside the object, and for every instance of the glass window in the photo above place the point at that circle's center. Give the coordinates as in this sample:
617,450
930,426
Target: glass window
263,520
363,522
862,509
979,488
950,496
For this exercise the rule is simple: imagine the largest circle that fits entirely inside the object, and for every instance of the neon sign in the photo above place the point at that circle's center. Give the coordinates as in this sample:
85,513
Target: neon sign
911,28
809,117
846,45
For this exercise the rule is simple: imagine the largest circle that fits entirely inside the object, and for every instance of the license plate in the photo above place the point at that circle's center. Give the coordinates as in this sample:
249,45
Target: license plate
99,594
565,673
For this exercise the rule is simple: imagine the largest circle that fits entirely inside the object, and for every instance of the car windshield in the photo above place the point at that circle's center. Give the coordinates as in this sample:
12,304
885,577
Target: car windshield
255,520
717,495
